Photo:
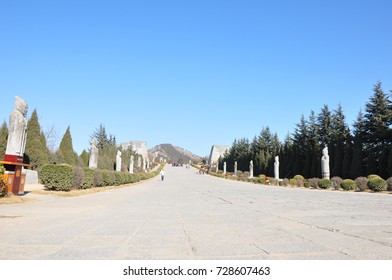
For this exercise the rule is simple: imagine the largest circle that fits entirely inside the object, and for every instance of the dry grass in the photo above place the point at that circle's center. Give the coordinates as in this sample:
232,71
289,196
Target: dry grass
15,199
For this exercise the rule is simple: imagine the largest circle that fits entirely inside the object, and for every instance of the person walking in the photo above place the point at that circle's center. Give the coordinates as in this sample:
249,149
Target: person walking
162,175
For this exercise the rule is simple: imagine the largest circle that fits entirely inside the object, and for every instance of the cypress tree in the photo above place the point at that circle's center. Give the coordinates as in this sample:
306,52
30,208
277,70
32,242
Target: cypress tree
339,132
36,152
85,157
3,139
66,148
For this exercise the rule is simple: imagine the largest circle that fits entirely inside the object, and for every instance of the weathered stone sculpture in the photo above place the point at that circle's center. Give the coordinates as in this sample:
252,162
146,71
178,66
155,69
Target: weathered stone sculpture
325,173
224,168
276,167
251,169
17,132
93,162
235,168
131,165
118,161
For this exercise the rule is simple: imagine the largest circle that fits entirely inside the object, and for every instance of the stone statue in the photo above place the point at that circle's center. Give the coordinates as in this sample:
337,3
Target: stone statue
276,167
235,168
17,131
93,162
118,161
224,168
325,164
251,169
131,165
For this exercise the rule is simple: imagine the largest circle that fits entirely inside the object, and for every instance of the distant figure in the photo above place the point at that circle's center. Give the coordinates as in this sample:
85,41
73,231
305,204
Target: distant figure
162,175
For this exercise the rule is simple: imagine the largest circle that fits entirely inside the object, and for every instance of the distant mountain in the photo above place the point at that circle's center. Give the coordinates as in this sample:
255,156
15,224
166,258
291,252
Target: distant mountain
172,154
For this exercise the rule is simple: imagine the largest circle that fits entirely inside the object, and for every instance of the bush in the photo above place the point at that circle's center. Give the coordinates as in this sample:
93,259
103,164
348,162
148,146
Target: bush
281,183
88,181
361,183
246,174
98,181
377,185
57,177
348,185
293,182
389,182
274,182
314,182
300,183
240,173
296,177
307,184
2,182
325,184
78,178
107,178
286,182
336,182
373,176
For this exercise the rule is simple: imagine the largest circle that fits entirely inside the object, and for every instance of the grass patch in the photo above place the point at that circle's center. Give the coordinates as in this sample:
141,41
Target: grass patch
15,199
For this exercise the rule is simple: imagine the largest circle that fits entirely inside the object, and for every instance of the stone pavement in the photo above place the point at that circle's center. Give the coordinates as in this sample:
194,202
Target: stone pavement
190,216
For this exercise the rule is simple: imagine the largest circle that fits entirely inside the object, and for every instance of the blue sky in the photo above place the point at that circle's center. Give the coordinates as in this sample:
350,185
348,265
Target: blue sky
191,73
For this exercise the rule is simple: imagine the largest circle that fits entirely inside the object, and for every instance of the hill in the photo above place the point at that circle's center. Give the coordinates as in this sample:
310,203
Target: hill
172,154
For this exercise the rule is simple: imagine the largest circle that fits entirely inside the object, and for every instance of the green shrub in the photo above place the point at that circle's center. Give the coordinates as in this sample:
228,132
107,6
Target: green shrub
107,178
296,177
281,183
336,182
373,176
389,182
307,184
325,184
98,181
88,181
293,182
314,182
261,180
377,185
348,185
361,183
57,177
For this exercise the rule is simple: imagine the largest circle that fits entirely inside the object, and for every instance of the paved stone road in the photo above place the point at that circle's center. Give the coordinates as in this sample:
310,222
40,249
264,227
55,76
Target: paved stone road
191,216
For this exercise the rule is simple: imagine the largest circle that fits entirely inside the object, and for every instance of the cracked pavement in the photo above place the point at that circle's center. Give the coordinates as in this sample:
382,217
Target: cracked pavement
190,216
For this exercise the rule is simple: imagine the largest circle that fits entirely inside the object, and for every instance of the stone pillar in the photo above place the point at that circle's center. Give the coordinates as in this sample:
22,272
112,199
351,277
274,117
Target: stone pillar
235,168
251,169
224,168
93,162
325,173
131,165
276,167
118,161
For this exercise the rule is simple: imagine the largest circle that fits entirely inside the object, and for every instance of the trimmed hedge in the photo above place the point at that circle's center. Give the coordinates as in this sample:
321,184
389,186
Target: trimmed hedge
63,177
325,184
348,185
377,185
57,177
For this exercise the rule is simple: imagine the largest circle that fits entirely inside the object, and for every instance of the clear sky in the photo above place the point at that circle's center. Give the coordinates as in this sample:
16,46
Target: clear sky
192,73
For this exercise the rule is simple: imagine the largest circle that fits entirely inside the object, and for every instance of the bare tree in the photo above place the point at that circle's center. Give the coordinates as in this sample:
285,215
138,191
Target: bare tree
52,138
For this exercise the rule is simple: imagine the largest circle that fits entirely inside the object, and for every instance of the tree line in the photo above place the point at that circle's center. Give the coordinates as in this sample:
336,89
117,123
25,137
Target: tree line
40,147
365,149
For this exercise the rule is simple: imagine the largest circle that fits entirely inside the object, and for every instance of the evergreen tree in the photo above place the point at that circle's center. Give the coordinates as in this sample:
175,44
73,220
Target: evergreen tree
313,151
378,129
324,124
66,148
357,166
85,157
300,140
36,152
339,132
3,139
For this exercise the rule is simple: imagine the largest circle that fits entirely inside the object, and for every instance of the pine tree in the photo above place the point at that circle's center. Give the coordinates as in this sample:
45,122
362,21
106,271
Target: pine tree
339,133
3,139
378,129
357,166
66,148
324,120
36,152
300,140
84,156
